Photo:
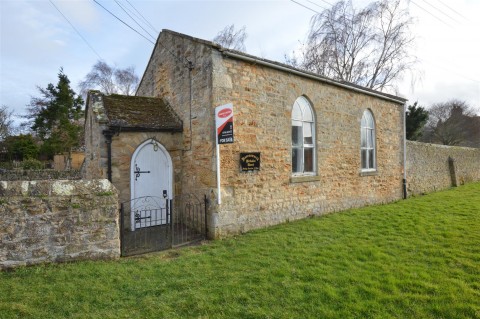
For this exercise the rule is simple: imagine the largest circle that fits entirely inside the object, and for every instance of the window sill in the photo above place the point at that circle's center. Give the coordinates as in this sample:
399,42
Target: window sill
369,173
302,179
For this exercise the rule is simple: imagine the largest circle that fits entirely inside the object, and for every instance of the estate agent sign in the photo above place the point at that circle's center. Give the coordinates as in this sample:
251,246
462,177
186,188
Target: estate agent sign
224,135
224,123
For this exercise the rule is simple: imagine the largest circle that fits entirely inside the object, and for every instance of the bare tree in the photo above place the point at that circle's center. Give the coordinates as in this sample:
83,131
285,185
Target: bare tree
126,80
6,122
110,80
452,123
368,47
231,39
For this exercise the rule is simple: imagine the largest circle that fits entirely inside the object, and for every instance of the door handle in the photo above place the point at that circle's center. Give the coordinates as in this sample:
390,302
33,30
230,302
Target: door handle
164,193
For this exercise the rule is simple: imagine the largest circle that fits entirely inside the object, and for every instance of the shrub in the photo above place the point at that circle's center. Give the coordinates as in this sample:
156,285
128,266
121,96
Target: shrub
32,164
6,165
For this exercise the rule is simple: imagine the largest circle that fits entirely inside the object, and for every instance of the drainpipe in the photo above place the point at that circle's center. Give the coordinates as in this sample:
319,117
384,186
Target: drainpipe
108,135
190,68
405,150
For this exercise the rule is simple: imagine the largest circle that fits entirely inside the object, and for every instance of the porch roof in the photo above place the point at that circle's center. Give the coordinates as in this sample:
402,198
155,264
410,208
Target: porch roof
138,113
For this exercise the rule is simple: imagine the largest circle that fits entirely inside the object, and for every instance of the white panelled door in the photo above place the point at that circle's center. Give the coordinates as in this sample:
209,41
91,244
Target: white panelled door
151,175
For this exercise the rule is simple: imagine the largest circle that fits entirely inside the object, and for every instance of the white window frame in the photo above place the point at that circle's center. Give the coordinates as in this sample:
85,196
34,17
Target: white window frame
368,145
303,114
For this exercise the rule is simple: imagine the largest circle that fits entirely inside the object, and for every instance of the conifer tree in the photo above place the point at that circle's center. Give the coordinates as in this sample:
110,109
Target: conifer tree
416,117
55,117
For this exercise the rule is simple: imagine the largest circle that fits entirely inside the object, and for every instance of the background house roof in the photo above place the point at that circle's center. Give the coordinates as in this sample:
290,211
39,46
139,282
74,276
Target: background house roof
138,113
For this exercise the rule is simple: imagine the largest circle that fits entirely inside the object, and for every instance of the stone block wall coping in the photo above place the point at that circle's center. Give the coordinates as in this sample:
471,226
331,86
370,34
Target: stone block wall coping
43,174
441,146
57,188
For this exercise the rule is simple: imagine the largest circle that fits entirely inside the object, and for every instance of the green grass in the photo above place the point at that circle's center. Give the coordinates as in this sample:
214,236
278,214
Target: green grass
418,258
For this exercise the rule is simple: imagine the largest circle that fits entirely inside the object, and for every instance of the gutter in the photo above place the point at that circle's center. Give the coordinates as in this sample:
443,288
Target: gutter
310,76
117,129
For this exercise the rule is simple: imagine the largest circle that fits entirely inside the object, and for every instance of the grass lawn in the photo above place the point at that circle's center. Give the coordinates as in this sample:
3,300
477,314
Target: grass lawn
418,258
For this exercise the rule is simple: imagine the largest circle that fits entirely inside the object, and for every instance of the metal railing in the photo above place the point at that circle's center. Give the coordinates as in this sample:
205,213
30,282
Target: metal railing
150,224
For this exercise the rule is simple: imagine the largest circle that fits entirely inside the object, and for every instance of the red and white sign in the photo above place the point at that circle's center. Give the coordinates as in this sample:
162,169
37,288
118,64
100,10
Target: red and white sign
224,113
224,123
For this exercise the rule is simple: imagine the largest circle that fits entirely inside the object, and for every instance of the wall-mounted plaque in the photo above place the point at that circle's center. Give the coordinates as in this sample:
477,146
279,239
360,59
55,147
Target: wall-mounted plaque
250,161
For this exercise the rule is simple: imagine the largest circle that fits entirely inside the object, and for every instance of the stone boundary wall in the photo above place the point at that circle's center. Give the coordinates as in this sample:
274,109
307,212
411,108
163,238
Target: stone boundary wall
57,221
44,174
429,168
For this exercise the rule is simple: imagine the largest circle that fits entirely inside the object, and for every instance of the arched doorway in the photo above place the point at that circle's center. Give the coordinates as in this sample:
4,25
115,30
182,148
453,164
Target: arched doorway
151,175
154,218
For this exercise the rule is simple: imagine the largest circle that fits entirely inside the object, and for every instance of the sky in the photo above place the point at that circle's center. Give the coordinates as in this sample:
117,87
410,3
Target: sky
39,37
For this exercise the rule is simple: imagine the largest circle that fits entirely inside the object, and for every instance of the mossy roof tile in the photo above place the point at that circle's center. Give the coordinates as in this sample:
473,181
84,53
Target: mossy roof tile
140,113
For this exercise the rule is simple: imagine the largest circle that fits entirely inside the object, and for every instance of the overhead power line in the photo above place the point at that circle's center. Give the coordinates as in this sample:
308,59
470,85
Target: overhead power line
441,11
124,10
453,10
308,8
439,19
433,15
187,63
124,22
144,19
329,3
73,27
316,4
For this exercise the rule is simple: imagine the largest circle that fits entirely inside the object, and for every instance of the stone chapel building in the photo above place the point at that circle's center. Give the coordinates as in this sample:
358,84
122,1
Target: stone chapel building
322,145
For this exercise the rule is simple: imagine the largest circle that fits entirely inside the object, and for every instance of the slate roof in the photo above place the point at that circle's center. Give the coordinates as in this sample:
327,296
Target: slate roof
138,113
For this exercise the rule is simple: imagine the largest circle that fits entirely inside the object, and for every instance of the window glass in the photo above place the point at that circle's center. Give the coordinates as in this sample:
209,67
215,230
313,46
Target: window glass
308,159
370,138
296,112
296,160
307,112
364,137
364,158
371,159
296,134
369,120
364,121
307,133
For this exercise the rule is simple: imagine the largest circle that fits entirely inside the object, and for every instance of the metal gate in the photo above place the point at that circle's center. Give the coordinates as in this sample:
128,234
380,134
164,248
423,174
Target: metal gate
153,223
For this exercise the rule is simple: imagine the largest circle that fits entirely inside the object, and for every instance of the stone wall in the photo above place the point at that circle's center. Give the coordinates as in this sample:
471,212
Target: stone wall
57,221
429,170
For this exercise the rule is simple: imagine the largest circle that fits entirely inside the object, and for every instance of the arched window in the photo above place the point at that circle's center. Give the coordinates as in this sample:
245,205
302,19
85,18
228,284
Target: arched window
303,138
367,146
